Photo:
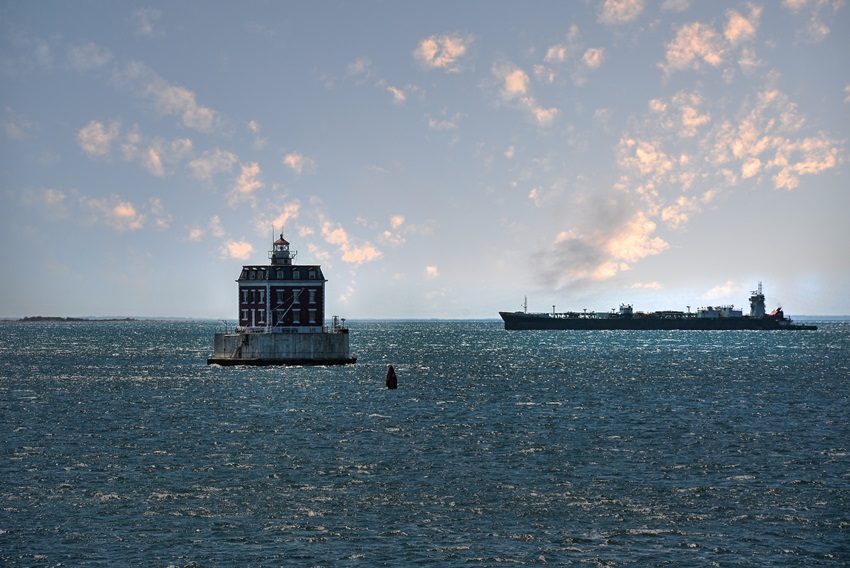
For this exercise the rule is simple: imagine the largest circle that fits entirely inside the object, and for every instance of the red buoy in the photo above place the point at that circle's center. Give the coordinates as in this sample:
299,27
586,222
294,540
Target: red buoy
392,380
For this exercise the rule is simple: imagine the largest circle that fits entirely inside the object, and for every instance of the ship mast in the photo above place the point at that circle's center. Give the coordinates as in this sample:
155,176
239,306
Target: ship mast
757,303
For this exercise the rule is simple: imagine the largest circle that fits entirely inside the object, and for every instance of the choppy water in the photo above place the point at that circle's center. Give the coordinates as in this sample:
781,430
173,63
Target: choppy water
122,447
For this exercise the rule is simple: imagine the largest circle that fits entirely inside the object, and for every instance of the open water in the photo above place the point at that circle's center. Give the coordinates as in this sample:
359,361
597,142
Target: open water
122,447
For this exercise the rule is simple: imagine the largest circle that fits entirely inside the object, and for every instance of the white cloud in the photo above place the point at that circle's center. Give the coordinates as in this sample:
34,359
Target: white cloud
678,213
815,29
240,250
257,129
179,101
152,161
691,118
399,96
431,271
794,5
216,227
298,162
620,11
681,157
95,138
154,155
352,253
634,240
675,5
442,51
514,81
613,235
146,19
514,87
594,57
695,44
574,55
212,163
648,285
247,183
16,125
768,139
163,218
113,211
435,124
195,234
279,217
556,54
722,291
544,116
88,56
646,157
169,100
362,66
48,201
740,29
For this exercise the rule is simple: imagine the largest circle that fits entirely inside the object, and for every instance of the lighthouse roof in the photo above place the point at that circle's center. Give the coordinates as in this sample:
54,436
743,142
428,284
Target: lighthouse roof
281,241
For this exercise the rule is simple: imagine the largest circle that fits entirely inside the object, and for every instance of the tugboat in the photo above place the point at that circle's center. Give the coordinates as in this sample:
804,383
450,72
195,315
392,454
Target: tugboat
710,318
282,317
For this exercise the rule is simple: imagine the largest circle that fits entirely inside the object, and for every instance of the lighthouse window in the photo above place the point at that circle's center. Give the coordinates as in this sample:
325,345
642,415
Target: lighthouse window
311,275
261,316
262,296
312,296
280,275
253,275
279,297
312,316
296,275
244,315
296,316
244,296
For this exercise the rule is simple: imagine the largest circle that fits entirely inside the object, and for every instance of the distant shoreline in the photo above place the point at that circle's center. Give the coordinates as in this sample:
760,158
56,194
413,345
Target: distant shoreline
38,319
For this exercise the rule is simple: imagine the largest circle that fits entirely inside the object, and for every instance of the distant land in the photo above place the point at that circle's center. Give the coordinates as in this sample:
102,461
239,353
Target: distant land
95,319
61,319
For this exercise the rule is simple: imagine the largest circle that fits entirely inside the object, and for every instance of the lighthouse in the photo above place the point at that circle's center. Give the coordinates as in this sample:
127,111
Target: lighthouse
281,314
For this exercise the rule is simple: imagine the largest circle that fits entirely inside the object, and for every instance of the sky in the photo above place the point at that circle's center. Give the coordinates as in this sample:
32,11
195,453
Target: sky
439,159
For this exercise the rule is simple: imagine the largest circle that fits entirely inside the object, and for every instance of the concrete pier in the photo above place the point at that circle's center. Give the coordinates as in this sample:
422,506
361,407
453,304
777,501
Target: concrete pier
275,348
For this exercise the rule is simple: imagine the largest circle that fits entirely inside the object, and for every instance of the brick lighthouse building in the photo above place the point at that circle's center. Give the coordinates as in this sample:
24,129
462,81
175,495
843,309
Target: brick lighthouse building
282,317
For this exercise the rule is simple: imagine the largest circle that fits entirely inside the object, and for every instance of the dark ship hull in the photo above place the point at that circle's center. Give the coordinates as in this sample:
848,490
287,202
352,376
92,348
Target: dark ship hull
525,321
704,319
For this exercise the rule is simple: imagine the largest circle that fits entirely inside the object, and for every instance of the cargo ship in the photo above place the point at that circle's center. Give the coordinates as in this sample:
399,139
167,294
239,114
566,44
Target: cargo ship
709,318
